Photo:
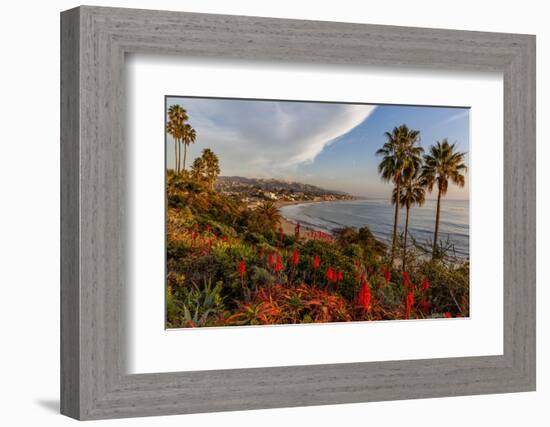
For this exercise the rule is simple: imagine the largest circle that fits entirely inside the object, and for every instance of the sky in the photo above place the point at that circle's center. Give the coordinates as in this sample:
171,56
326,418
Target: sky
331,145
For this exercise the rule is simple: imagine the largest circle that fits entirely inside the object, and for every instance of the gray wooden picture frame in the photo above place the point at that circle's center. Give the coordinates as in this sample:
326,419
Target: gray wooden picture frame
94,41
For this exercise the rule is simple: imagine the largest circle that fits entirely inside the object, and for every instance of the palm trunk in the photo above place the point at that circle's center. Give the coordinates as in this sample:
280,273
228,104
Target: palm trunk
395,220
405,240
179,157
434,251
184,155
175,156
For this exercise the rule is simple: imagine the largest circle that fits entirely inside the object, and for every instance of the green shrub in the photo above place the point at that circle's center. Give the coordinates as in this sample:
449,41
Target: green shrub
197,305
260,277
449,287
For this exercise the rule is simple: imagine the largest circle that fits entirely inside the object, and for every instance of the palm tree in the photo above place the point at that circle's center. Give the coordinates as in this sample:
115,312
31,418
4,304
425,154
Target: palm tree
441,165
177,116
206,168
212,166
198,169
188,137
400,156
268,215
413,192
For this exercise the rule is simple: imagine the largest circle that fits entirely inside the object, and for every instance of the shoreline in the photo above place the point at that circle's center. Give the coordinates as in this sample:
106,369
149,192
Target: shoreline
288,225
283,203
289,228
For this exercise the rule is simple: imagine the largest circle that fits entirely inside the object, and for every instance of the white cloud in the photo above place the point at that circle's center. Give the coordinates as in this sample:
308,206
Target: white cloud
267,137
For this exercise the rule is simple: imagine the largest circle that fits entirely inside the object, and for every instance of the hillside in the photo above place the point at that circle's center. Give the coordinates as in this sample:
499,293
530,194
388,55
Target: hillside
274,189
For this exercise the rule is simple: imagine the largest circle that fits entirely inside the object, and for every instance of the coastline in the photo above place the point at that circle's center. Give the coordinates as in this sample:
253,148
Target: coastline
283,203
289,225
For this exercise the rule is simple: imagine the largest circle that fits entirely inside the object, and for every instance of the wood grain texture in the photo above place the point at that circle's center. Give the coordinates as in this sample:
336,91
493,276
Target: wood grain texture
70,258
94,231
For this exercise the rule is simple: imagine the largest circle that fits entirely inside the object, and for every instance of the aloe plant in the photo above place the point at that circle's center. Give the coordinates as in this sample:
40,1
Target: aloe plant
200,305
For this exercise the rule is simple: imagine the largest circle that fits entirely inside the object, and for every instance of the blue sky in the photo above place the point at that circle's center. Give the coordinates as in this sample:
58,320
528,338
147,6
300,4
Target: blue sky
326,144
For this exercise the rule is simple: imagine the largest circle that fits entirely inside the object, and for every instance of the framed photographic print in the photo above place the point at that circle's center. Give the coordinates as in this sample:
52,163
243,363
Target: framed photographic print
261,213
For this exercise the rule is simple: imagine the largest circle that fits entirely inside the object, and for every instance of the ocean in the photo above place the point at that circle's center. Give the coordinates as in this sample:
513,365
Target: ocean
378,216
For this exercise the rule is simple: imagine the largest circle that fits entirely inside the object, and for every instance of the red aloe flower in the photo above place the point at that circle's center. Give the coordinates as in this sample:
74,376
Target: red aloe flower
295,257
408,304
364,296
425,284
371,270
316,262
241,268
387,275
278,264
209,243
270,261
207,229
330,275
447,315
340,276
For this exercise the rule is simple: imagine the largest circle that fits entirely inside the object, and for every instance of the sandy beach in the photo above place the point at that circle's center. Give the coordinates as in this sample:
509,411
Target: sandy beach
289,226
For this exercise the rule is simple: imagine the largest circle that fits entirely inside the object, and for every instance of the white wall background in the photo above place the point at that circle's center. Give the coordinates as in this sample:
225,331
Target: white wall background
29,212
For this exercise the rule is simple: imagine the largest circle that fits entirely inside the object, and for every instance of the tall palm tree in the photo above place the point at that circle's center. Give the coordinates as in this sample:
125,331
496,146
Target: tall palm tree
441,165
177,116
413,192
188,137
400,156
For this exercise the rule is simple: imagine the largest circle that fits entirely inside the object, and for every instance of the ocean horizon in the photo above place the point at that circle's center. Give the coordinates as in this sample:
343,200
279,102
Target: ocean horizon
377,214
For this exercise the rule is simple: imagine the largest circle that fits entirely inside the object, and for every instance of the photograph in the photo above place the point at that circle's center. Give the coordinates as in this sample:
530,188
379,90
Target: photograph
297,212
